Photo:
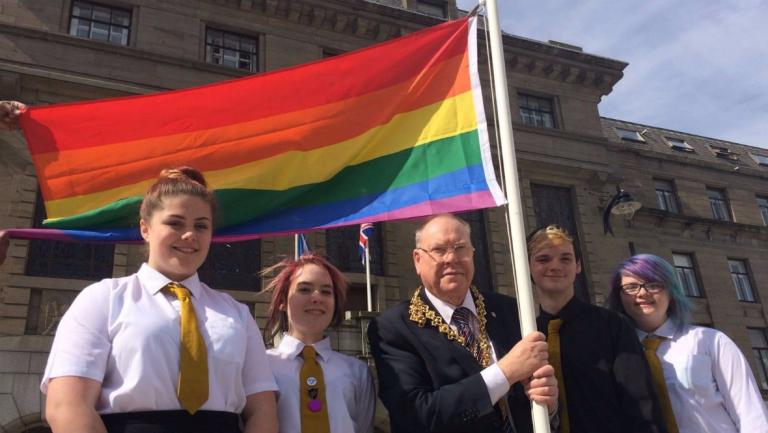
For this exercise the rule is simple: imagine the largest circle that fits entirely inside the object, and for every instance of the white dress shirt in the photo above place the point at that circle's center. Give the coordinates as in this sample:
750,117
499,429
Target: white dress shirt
495,380
710,384
125,333
349,391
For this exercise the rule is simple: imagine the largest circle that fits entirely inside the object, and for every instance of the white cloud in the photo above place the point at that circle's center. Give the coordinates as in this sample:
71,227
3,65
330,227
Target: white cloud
698,67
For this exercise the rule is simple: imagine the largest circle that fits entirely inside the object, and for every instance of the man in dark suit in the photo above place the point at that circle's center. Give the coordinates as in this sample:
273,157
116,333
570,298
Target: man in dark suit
451,359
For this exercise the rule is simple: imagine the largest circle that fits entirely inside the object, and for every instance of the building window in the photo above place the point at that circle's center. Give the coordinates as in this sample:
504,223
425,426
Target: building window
555,205
741,281
432,7
57,259
341,246
100,23
666,198
537,111
233,266
718,201
630,135
231,49
724,153
686,274
757,336
678,144
760,159
762,204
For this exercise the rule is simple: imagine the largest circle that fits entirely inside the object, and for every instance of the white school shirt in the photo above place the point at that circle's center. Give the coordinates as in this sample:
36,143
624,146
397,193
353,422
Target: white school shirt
125,333
349,391
495,380
711,387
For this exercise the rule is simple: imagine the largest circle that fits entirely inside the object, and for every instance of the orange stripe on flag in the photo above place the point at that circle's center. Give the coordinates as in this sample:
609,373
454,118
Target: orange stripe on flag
85,171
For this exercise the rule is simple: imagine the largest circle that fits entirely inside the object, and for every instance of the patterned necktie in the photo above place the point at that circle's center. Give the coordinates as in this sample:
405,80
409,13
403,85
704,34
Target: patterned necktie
314,410
651,344
555,359
193,359
461,320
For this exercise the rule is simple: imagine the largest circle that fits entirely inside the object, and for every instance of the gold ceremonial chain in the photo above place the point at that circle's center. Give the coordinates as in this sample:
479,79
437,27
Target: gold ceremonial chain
419,312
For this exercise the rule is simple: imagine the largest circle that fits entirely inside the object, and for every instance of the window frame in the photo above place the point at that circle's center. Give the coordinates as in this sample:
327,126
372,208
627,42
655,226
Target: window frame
209,54
692,274
631,135
724,153
537,114
743,294
666,199
759,159
761,353
66,260
679,144
763,207
73,22
722,203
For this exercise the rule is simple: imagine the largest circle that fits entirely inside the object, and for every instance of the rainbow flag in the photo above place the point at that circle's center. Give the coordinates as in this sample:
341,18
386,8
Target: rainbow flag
392,131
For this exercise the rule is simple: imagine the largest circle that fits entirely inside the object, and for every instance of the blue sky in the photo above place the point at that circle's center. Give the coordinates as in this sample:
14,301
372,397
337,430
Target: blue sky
695,66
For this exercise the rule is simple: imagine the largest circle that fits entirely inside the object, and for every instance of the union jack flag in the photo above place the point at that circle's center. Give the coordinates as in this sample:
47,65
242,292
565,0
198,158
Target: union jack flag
366,231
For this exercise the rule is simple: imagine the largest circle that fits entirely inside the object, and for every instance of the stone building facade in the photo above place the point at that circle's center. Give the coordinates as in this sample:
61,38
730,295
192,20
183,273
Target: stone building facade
570,160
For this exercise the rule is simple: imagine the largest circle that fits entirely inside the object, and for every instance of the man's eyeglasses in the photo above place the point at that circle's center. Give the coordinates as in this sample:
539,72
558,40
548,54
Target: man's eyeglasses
634,288
438,254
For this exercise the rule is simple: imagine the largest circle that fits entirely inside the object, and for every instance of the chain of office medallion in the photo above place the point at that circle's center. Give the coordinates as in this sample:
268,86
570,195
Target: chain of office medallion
420,312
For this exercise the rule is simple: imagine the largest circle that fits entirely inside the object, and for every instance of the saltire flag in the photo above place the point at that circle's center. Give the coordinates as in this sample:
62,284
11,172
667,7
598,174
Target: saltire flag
302,247
392,131
366,231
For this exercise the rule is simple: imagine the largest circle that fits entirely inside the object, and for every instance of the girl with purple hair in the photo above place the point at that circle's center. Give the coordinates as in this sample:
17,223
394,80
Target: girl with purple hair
709,384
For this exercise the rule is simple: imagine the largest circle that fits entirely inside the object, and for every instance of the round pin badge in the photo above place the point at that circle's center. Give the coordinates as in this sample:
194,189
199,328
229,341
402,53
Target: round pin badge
311,381
315,405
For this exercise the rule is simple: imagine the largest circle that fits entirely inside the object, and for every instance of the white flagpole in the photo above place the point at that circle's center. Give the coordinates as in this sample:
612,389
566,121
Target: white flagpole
296,247
515,208
368,277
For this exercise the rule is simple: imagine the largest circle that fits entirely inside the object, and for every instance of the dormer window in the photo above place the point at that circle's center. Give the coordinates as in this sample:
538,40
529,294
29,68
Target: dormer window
678,144
760,159
630,135
725,153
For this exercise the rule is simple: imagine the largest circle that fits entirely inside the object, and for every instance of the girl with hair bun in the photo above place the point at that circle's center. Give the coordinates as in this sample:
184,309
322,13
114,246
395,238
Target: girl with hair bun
320,390
704,383
159,351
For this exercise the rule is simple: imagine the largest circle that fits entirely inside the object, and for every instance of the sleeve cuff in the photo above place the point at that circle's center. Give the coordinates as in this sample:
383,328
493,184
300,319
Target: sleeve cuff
495,382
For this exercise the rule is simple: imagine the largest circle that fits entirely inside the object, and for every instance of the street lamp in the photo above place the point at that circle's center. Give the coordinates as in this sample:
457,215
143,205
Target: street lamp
621,204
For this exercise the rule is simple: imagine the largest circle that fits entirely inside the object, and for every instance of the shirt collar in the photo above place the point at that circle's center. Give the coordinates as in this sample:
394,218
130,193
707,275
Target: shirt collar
292,347
571,309
666,330
446,310
155,281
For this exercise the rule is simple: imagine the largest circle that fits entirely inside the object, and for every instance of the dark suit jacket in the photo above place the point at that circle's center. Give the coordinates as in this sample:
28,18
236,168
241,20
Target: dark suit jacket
431,384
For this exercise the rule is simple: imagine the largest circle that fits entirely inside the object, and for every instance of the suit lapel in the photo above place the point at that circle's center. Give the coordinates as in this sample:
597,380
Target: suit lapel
499,331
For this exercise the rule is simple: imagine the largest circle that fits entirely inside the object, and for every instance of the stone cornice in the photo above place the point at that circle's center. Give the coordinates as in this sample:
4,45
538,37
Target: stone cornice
364,20
660,218
375,22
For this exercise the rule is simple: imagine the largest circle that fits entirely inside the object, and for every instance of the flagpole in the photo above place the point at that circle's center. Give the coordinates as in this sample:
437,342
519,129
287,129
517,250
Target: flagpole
368,277
296,246
514,207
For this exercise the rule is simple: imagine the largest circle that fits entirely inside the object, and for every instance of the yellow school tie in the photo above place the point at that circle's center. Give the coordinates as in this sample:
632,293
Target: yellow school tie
553,343
193,362
314,410
651,344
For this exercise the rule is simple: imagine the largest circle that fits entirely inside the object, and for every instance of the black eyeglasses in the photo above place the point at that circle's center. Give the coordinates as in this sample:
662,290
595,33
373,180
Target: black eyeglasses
438,254
634,288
